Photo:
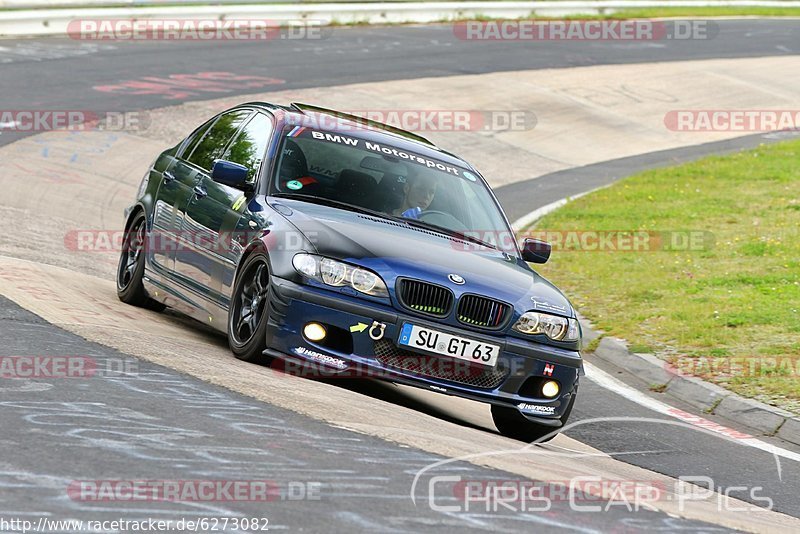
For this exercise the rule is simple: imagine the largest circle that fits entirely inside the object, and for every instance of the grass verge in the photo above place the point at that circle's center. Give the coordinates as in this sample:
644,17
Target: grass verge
696,12
726,306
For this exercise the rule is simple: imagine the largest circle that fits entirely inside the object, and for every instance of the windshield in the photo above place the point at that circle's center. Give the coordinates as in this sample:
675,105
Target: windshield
345,170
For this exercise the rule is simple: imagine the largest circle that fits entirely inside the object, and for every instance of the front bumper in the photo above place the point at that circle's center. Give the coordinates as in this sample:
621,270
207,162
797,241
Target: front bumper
520,363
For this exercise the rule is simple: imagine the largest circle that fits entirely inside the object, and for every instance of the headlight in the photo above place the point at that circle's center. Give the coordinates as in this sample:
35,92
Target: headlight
555,327
364,281
333,272
337,274
305,264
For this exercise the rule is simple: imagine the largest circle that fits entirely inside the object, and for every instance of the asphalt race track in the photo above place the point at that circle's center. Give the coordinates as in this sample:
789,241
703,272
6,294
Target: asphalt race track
58,72
169,418
362,483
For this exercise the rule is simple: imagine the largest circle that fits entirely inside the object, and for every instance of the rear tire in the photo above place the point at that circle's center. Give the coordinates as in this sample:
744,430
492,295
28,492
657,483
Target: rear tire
249,310
514,425
130,269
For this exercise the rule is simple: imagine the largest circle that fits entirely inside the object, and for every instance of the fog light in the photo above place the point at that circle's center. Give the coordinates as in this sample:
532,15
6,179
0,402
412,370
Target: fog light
314,332
550,389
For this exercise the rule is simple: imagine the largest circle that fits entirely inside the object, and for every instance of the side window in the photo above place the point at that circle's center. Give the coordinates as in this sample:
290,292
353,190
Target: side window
216,139
191,142
250,145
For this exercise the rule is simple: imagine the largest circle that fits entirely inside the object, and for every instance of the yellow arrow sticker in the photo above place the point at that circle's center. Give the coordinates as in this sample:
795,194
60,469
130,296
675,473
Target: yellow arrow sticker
360,327
238,203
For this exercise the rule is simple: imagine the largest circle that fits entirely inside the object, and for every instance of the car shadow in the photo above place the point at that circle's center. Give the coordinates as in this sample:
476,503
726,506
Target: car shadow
370,387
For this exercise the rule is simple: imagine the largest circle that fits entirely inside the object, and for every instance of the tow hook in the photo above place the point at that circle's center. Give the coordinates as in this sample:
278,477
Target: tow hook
379,327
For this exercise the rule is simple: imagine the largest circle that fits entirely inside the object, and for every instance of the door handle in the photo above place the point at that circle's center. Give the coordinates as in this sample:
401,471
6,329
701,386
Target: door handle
199,191
168,177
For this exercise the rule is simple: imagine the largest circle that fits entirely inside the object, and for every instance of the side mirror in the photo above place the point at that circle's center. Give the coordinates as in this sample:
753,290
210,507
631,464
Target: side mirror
229,173
536,251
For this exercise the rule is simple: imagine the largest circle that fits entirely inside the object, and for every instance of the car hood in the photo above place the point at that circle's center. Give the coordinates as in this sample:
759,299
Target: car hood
395,250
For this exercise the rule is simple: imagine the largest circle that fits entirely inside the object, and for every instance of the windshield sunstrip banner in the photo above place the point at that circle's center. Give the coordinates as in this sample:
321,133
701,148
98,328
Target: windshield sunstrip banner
369,146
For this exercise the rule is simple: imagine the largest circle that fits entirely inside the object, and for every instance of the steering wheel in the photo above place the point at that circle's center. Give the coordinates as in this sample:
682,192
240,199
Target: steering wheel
443,219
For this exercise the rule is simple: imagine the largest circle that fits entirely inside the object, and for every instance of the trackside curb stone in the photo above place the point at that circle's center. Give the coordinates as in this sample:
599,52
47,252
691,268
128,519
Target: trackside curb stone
790,430
696,392
615,351
709,397
751,413
757,416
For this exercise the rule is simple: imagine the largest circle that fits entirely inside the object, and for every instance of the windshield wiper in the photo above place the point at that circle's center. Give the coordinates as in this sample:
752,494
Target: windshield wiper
338,204
448,231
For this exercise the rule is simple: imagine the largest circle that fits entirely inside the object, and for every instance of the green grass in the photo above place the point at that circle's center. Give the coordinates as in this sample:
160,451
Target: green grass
658,388
654,13
734,300
593,344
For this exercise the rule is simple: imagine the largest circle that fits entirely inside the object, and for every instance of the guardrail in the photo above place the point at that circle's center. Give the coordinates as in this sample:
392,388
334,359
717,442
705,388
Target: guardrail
55,21
61,4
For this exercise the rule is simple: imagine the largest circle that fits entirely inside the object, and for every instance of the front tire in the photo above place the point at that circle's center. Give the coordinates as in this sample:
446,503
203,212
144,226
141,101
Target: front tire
130,269
514,425
249,310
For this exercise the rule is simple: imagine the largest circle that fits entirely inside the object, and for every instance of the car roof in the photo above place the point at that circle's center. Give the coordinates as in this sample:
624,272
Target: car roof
373,131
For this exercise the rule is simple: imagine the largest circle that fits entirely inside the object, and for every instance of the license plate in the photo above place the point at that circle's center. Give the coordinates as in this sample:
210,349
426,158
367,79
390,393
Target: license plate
427,339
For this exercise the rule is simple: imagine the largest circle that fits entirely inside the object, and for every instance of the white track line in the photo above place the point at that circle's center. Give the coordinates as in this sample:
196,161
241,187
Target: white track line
605,380
526,220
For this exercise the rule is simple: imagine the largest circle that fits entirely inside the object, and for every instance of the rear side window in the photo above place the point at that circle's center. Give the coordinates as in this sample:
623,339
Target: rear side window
250,145
215,139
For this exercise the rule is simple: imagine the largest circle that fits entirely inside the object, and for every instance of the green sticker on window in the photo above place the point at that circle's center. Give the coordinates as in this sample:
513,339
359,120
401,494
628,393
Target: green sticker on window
294,185
469,176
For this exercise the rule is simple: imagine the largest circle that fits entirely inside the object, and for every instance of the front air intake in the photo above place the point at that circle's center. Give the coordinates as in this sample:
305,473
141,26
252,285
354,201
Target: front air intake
422,297
483,312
